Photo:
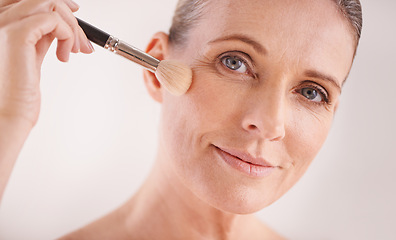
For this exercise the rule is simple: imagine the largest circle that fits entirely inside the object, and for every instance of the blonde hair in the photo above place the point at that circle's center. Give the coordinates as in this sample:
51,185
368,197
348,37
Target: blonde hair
186,15
188,12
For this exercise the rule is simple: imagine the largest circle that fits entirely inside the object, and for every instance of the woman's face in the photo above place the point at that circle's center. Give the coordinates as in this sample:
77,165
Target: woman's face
267,78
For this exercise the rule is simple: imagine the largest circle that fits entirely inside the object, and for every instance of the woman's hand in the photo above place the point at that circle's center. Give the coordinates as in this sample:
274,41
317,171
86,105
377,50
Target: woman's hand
27,29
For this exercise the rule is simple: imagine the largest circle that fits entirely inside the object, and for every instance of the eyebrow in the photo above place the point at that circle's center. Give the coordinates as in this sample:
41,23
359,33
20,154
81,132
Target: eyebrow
316,74
243,38
262,50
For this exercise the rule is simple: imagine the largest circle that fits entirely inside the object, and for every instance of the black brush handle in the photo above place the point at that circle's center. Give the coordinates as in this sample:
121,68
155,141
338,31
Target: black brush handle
94,34
119,47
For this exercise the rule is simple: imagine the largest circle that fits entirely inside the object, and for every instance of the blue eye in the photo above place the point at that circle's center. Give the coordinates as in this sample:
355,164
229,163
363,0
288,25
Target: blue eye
311,94
234,63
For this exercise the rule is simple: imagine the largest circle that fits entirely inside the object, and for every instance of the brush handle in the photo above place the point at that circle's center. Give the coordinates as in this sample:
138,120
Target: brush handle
94,34
119,47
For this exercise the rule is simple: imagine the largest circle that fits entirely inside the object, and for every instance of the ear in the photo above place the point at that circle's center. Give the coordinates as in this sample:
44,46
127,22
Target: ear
158,48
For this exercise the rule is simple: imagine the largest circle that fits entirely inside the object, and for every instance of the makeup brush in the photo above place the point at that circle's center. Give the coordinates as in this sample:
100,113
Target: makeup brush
174,76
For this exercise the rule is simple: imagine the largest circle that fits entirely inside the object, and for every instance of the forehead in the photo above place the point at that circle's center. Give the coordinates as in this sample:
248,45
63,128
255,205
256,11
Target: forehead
312,32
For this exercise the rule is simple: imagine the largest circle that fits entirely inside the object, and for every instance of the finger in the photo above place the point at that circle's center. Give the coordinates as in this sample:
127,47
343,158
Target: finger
5,3
72,5
32,29
30,7
64,11
42,47
5,8
86,46
21,9
63,50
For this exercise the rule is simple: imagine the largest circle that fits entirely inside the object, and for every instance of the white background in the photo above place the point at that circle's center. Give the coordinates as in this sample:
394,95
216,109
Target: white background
96,139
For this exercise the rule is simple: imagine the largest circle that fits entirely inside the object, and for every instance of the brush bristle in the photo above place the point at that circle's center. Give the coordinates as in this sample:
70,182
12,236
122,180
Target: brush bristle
174,76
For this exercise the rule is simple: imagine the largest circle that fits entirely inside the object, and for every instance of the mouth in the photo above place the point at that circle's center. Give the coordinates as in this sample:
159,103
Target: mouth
245,163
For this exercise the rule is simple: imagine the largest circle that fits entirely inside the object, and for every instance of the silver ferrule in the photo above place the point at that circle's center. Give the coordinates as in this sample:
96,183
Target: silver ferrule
132,53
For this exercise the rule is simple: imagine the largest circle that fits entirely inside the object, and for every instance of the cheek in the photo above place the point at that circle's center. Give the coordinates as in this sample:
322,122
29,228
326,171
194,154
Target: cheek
307,133
187,119
209,104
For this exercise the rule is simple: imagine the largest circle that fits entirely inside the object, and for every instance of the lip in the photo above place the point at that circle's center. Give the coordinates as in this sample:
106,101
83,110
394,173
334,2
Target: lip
245,163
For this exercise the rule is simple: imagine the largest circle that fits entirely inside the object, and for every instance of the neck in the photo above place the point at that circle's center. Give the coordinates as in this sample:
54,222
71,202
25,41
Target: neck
164,208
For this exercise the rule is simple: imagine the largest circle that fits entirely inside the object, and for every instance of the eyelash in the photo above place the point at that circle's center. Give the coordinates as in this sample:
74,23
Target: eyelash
242,57
239,55
321,91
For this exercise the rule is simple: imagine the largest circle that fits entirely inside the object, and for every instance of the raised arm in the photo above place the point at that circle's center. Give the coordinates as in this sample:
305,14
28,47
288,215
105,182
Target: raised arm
27,29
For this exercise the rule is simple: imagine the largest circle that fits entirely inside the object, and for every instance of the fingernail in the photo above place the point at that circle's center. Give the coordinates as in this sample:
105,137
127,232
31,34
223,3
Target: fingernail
77,43
90,46
75,5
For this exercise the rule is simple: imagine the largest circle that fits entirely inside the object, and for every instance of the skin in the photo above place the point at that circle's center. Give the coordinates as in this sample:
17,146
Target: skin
261,112
192,193
27,29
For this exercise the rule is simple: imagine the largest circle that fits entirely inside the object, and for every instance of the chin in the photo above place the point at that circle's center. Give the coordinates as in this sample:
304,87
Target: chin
228,190
238,198
242,205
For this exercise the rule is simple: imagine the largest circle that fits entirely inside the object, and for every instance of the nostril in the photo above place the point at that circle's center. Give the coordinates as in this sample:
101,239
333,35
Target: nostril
271,133
252,127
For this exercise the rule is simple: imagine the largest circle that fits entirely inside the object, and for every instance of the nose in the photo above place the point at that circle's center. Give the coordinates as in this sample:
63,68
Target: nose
265,115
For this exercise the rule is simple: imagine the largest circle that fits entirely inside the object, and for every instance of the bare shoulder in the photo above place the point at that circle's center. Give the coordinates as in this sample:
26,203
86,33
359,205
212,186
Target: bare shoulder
108,227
